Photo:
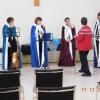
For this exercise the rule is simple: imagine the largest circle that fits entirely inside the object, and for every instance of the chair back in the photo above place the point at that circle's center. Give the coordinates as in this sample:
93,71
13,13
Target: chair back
9,94
49,78
9,79
66,93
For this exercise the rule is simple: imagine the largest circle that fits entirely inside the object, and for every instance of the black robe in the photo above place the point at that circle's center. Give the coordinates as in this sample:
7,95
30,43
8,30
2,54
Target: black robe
74,45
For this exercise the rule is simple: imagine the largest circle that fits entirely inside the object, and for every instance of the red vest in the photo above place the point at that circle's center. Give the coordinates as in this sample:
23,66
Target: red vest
84,39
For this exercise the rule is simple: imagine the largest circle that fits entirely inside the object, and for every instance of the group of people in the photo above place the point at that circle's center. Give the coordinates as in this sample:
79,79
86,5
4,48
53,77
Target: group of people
84,41
70,41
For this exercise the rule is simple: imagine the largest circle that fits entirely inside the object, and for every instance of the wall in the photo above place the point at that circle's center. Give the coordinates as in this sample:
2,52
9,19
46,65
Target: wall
52,11
97,6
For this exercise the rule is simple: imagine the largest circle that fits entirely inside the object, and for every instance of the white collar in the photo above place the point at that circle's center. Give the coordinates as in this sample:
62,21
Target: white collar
66,26
98,21
9,25
38,28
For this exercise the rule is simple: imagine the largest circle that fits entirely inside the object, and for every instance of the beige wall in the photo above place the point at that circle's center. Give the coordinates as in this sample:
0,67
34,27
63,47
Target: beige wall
53,12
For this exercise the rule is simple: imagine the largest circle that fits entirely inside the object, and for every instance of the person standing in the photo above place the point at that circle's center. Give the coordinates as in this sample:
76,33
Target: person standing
10,56
39,52
66,54
97,43
84,45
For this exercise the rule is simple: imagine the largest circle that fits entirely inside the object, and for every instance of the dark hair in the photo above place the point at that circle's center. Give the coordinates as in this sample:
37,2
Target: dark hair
38,19
84,21
67,18
10,19
98,14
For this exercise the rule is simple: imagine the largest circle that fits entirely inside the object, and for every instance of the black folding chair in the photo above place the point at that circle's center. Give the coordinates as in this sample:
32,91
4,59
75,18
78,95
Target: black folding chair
9,79
49,78
10,88
9,94
66,93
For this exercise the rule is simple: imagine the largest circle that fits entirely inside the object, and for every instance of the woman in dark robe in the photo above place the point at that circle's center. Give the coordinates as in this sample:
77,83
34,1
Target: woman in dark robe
66,54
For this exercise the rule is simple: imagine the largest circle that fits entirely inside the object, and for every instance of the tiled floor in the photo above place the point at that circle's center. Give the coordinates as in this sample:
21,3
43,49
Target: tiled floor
71,77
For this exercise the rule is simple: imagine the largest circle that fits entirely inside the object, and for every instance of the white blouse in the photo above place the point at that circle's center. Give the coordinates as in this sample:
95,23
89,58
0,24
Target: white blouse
38,31
68,33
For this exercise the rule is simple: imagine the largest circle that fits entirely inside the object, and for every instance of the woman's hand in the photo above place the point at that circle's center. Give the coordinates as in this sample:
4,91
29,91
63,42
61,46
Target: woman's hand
75,36
17,40
9,44
69,40
43,26
41,35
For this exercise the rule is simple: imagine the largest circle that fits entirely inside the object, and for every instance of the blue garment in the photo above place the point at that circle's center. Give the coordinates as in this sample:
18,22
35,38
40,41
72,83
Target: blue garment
6,34
34,51
45,51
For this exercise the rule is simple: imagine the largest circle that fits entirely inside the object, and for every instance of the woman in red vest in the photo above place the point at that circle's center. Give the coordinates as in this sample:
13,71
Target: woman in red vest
84,45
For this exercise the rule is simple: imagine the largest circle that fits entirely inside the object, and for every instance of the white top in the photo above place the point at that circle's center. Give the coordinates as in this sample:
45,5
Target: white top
38,31
68,33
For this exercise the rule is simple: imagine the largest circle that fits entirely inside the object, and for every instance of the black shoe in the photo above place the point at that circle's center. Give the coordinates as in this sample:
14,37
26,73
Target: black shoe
86,75
81,71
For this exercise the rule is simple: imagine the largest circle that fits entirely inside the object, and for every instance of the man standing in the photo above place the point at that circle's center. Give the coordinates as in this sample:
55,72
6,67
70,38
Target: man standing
84,45
97,42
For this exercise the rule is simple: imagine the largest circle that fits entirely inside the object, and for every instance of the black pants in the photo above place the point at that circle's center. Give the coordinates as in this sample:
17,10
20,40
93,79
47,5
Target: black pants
73,51
97,45
84,62
40,51
9,58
